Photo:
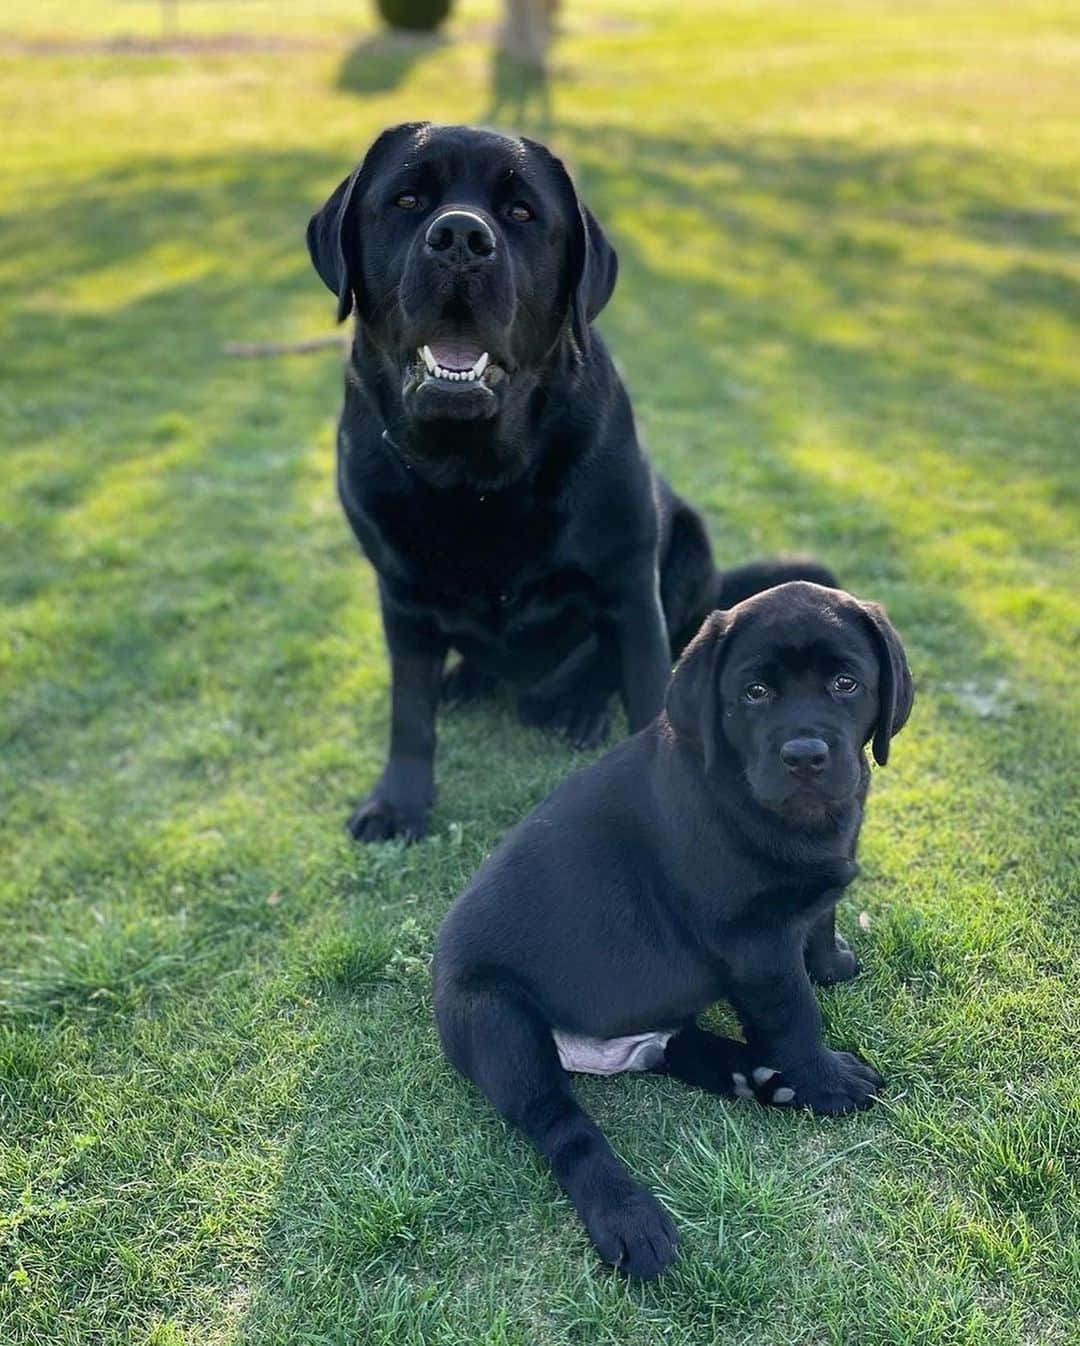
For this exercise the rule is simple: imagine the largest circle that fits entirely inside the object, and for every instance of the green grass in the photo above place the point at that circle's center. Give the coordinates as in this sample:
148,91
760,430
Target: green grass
849,314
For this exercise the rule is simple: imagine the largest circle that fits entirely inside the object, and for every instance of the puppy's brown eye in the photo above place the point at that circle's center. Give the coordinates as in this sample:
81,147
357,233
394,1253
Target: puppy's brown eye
520,212
842,683
407,201
756,691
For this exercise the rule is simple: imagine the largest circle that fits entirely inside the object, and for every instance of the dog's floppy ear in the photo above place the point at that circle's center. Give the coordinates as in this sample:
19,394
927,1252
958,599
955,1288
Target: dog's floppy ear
896,692
594,263
332,238
594,270
693,696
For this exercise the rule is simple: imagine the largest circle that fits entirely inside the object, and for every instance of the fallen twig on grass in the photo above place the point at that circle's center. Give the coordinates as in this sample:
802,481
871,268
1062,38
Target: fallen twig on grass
257,349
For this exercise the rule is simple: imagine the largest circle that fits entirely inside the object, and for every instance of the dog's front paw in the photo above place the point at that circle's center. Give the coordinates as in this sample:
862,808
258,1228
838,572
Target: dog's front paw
381,819
633,1233
834,1083
830,966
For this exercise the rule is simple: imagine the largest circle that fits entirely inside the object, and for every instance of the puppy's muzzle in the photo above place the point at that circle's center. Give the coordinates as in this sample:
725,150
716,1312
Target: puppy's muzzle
805,758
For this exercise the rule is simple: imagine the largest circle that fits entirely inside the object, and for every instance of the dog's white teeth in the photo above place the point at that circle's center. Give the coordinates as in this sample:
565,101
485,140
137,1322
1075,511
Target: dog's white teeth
437,371
481,365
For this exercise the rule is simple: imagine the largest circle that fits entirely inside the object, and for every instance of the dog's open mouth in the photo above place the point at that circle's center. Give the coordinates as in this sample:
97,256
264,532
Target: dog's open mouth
453,378
458,361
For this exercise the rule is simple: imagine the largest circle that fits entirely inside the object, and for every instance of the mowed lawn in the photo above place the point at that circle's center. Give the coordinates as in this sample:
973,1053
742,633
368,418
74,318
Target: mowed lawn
848,314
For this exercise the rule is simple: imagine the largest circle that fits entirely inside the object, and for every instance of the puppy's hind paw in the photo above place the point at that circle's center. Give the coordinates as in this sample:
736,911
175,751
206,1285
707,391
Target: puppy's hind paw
763,1085
724,1066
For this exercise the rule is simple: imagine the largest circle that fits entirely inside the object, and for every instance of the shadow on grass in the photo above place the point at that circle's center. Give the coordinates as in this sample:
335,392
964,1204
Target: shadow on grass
520,96
378,64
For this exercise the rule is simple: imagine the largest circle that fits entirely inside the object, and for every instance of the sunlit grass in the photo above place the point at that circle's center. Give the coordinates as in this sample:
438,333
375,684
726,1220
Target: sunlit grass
849,314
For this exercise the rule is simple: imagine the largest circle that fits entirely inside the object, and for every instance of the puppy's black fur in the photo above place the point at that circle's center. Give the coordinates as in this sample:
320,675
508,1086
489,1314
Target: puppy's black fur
511,516
700,859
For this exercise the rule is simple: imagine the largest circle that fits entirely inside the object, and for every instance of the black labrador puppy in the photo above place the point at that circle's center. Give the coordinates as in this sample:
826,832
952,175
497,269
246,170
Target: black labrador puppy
700,859
487,459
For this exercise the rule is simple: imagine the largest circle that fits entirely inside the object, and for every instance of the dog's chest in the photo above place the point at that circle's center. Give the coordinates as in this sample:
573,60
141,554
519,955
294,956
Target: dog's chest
487,565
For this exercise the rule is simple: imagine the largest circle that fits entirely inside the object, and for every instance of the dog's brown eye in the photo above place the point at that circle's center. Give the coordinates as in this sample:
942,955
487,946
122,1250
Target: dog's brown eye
407,201
842,683
520,212
756,691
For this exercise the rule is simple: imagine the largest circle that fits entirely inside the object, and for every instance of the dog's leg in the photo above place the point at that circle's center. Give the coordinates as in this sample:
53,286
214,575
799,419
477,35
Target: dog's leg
398,805
575,699
641,636
775,1003
505,1048
828,958
723,1066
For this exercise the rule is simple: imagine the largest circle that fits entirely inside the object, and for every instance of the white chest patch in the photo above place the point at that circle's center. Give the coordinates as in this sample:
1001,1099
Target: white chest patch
609,1056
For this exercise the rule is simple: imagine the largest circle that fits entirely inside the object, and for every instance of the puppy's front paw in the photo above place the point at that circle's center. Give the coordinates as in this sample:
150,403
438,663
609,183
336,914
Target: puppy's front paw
834,1083
381,819
830,966
634,1233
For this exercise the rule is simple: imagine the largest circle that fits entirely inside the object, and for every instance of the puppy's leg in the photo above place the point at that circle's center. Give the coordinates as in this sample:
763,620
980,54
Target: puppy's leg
575,699
398,805
775,1003
723,1066
828,958
505,1048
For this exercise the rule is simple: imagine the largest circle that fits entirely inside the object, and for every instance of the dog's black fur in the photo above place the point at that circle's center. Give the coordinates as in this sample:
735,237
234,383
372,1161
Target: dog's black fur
700,859
512,517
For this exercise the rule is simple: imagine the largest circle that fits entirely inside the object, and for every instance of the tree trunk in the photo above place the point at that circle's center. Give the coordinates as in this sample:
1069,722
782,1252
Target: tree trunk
526,32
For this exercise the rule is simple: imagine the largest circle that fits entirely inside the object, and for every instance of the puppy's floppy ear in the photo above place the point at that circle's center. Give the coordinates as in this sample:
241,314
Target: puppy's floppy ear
896,692
693,695
332,238
594,263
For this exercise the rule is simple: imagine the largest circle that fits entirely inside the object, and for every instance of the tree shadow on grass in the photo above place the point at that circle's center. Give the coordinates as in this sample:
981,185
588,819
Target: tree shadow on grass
521,99
379,64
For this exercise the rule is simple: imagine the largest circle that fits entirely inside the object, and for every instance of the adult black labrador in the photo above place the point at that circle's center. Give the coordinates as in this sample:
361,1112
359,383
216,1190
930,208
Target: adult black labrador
700,859
487,459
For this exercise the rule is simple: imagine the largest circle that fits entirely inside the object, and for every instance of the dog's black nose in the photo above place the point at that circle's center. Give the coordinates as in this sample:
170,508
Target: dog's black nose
459,235
805,756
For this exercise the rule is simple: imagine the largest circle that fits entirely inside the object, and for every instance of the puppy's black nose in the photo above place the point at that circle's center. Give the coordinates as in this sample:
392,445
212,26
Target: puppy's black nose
459,235
805,756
